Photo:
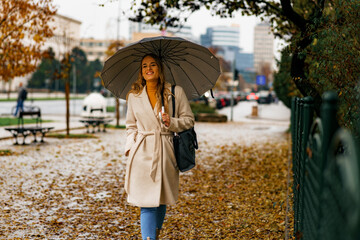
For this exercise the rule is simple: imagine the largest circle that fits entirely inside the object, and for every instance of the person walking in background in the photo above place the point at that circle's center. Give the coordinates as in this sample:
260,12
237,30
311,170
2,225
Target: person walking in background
22,95
152,176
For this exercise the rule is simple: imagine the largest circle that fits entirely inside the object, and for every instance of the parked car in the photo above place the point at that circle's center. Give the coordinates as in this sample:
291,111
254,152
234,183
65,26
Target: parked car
207,99
228,98
265,97
202,99
241,96
220,102
252,97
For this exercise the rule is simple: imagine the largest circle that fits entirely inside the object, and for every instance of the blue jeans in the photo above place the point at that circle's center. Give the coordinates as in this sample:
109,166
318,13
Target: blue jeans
151,219
20,105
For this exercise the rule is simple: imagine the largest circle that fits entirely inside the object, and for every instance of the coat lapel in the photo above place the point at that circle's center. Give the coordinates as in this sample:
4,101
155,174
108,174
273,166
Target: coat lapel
150,112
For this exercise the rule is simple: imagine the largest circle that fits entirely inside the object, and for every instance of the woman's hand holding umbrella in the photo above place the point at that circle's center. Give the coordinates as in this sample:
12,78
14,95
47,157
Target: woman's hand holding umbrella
165,119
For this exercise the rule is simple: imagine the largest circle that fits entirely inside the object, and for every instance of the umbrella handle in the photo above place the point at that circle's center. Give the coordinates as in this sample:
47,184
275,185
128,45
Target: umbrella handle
161,119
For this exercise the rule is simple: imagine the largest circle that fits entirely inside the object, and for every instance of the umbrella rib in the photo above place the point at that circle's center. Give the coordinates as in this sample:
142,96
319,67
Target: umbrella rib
203,59
167,45
179,51
117,74
136,70
171,48
140,53
173,61
124,58
154,47
172,75
149,49
199,71
189,81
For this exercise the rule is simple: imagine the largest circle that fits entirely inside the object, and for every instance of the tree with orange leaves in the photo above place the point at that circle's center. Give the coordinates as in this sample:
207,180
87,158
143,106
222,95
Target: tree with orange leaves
24,27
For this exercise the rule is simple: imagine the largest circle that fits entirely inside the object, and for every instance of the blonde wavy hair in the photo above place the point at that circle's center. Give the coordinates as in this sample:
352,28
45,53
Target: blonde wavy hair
138,86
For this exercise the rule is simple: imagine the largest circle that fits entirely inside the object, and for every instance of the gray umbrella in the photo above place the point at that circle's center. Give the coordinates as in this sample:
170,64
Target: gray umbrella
186,64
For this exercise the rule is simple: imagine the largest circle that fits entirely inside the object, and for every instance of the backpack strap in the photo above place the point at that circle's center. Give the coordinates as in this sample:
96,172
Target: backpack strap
173,98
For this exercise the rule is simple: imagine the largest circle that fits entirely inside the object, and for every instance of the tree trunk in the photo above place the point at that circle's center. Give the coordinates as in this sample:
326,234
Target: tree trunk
67,97
297,72
117,109
9,90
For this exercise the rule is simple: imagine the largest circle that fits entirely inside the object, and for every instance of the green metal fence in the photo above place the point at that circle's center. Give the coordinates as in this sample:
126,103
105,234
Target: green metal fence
326,173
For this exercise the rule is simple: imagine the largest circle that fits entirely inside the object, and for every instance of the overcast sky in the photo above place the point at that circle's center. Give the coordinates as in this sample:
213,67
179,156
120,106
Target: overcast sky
100,22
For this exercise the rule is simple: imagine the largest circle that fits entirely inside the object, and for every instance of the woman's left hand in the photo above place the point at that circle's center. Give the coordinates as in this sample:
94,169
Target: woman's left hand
166,119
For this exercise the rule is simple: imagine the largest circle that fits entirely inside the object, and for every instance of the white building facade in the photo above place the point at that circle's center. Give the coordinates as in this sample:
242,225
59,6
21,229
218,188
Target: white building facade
142,29
263,47
225,38
95,48
66,37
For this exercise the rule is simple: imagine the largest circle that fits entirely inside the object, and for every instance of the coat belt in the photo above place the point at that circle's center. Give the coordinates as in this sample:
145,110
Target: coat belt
157,154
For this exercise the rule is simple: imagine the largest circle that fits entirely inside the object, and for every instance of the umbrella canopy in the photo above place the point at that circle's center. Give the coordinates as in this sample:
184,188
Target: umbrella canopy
186,64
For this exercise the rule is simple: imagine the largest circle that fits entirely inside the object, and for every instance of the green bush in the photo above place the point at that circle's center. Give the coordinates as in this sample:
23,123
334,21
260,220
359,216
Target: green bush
110,109
201,108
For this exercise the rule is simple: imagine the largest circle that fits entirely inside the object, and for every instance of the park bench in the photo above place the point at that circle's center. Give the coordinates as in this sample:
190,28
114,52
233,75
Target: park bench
96,118
23,130
96,123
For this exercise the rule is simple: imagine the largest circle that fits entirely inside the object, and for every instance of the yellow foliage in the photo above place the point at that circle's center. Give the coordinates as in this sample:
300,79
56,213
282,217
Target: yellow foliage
21,21
315,41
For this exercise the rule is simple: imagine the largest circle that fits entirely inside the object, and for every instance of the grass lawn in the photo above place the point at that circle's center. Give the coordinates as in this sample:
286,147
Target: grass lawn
114,126
14,121
110,108
62,135
5,152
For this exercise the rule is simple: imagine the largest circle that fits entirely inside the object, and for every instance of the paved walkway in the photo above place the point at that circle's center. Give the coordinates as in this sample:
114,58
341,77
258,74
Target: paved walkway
49,191
243,110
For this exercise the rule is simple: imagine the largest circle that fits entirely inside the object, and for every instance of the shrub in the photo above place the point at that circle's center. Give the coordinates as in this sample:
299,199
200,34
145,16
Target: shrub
201,108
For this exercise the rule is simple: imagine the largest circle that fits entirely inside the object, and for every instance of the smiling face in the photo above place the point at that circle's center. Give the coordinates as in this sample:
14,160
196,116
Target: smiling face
149,69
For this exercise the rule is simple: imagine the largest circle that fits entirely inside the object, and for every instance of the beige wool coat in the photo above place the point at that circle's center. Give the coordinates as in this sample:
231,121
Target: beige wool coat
152,176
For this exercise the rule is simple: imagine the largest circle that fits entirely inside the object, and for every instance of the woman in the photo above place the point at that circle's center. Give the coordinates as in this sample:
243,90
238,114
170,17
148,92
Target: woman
152,177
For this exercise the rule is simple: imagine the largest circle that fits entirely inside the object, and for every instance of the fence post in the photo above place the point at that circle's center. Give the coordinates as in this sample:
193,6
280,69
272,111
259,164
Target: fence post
328,115
293,125
299,164
307,119
295,135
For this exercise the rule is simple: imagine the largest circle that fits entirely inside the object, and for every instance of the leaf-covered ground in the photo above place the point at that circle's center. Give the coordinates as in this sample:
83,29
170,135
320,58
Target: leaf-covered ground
73,189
